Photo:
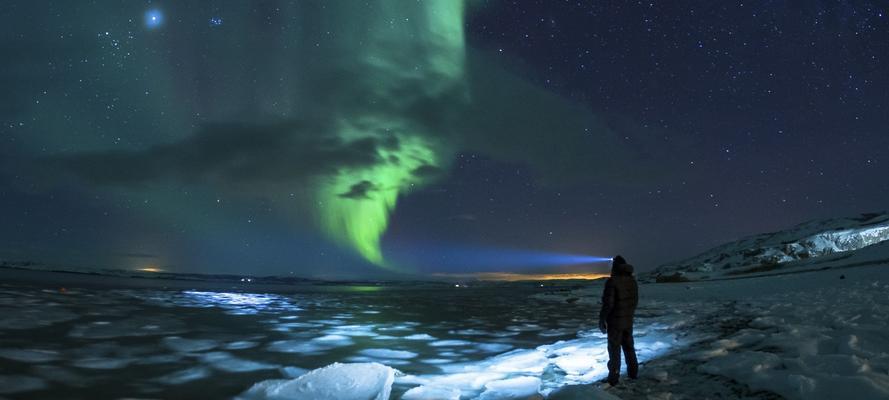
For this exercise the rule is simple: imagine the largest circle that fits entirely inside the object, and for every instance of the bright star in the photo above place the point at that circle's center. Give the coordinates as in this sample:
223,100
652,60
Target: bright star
154,18
215,21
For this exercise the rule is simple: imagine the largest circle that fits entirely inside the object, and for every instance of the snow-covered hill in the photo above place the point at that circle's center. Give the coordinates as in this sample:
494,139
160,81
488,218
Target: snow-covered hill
808,245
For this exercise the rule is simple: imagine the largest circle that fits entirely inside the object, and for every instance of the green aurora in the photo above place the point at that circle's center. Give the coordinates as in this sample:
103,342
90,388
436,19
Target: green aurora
332,127
355,204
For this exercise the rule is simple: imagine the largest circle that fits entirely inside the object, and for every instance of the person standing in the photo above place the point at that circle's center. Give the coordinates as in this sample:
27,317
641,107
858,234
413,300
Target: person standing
619,300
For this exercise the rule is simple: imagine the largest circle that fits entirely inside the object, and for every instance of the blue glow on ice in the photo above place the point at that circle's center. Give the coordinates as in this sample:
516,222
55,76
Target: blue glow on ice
240,303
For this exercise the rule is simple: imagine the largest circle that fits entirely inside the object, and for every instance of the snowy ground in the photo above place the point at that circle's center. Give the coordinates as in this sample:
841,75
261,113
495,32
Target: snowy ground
813,335
806,335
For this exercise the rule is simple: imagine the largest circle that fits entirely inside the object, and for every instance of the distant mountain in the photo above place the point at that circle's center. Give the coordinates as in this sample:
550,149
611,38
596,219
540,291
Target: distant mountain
814,244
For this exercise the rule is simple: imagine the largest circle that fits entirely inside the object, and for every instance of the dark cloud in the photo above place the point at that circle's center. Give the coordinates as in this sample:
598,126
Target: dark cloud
359,190
232,153
490,111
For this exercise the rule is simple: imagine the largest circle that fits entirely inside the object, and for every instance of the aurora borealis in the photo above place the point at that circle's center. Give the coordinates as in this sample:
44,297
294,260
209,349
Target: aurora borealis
317,138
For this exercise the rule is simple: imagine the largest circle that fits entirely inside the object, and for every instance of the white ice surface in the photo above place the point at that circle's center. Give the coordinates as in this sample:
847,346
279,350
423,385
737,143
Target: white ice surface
431,393
359,381
811,335
387,353
518,388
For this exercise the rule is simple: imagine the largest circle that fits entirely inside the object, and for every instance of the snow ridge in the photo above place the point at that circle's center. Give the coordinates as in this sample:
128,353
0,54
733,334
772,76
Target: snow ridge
798,246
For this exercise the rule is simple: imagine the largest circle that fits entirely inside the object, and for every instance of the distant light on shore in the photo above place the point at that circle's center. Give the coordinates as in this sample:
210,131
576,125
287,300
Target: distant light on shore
150,269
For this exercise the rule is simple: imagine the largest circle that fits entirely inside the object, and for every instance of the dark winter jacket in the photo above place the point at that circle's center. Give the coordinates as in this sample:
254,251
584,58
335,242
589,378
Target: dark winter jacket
620,297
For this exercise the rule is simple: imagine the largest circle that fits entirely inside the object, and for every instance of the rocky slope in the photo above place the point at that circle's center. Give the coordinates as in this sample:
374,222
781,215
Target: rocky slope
808,245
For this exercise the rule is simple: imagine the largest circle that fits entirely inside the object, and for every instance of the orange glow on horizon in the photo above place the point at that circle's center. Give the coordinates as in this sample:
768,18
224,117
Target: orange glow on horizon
515,277
150,269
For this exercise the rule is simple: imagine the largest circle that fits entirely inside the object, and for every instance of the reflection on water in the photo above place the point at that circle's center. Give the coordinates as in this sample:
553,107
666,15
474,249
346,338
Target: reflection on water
173,343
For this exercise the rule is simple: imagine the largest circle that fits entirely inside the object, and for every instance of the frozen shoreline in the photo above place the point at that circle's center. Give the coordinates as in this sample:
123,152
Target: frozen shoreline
813,335
794,336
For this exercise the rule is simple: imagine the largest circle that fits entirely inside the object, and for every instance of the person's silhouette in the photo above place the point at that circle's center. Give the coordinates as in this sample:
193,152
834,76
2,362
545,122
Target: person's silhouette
619,300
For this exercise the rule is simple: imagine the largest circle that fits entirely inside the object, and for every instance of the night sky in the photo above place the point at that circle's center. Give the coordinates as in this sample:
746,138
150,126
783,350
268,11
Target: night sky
373,139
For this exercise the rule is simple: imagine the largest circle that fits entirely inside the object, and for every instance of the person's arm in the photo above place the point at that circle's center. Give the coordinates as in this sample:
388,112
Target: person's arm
607,305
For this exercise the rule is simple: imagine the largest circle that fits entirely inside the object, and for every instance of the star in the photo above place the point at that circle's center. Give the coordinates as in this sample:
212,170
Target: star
154,18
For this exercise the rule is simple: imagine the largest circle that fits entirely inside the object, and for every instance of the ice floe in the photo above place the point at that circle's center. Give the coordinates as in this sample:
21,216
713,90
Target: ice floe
450,343
387,353
226,362
29,355
177,343
312,346
359,381
185,376
518,388
431,393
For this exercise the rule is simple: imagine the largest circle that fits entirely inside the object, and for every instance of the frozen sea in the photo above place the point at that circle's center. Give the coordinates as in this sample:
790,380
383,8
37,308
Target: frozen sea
72,336
809,335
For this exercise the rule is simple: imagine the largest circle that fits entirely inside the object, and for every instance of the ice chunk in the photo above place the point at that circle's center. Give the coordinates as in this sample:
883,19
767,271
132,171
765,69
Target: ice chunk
293,372
229,363
184,345
313,346
296,346
386,361
29,355
387,353
523,387
435,361
353,330
450,343
185,376
360,381
528,361
494,347
419,336
557,332
241,344
524,328
338,340
431,393
406,326
468,381
471,332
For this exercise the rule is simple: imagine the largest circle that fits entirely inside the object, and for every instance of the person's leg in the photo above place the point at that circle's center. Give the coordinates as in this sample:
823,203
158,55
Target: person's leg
630,353
614,339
